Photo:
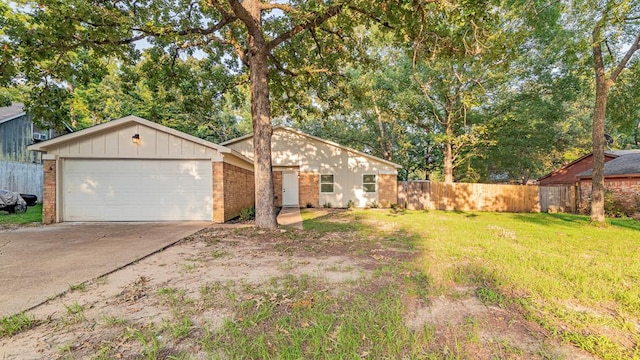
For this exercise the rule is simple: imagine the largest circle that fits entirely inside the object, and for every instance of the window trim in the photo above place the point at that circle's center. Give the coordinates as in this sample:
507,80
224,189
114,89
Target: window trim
333,184
375,183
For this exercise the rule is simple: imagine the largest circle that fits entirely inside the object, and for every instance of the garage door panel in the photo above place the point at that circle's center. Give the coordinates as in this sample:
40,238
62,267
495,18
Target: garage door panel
137,190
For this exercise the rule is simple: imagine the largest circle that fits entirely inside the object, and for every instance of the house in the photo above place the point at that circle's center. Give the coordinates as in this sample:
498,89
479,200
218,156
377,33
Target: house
310,171
621,177
566,175
17,131
132,169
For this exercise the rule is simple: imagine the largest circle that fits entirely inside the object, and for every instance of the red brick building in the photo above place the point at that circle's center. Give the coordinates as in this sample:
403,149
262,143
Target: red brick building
621,179
566,175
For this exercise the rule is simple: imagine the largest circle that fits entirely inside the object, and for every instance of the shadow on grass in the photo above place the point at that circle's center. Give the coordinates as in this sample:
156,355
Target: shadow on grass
625,223
552,219
333,222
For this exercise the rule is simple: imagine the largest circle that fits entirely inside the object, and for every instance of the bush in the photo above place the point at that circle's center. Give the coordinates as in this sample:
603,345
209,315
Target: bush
309,205
247,214
372,204
351,204
327,205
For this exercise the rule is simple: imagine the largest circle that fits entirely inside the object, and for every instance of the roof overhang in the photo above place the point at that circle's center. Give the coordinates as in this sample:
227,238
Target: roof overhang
286,128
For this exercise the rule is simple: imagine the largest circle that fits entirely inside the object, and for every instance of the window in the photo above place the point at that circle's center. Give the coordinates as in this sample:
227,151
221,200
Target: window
369,183
326,183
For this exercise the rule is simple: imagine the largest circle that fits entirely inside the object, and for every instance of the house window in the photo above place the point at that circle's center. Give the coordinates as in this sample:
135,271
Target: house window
369,183
326,183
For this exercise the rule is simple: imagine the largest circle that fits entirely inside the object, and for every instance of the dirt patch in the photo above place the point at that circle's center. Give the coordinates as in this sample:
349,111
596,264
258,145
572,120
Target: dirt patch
189,289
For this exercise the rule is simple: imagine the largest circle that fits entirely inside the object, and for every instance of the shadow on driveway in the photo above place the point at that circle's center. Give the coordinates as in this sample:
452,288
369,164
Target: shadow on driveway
42,262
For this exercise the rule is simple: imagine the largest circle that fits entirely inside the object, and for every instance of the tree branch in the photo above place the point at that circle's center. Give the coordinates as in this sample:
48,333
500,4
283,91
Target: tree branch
313,23
623,63
284,7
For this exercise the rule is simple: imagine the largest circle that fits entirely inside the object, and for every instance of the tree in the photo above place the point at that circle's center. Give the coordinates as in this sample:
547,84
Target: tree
67,41
613,26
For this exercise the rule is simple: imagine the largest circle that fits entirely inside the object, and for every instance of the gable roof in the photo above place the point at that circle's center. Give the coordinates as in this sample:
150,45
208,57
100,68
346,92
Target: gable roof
15,110
297,132
568,165
43,146
624,165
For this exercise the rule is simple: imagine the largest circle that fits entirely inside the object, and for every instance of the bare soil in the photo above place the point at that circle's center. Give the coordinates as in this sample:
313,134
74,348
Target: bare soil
107,318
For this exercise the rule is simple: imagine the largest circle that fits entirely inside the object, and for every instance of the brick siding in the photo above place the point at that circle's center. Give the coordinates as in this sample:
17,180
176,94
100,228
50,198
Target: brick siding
277,188
239,190
387,190
233,190
49,192
309,186
625,190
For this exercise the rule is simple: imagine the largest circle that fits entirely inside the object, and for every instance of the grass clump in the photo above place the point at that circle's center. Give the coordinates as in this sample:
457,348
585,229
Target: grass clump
16,323
247,214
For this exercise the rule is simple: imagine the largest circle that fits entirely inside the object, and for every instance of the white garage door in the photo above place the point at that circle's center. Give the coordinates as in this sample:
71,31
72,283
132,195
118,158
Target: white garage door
136,190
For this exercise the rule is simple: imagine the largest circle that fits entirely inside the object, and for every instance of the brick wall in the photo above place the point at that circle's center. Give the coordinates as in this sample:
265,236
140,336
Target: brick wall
218,192
239,190
387,190
625,190
277,188
309,186
49,192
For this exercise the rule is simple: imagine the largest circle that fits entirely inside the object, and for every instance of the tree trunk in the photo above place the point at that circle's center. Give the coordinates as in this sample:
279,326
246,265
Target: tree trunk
385,142
261,114
602,88
597,180
448,154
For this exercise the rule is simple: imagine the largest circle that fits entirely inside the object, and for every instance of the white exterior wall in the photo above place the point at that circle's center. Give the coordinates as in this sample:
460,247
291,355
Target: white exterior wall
117,143
348,167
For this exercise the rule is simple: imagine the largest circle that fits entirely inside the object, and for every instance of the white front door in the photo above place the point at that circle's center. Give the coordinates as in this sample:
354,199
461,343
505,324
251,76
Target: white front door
290,189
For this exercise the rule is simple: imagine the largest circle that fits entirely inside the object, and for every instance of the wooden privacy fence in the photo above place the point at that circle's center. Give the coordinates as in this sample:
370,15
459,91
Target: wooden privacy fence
21,178
426,195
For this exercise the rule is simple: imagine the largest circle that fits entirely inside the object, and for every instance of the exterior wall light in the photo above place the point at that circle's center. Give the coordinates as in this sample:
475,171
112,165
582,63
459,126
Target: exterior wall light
136,139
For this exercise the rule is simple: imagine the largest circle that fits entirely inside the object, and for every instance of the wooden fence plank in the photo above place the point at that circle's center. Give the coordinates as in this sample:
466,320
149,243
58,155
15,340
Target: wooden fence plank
426,195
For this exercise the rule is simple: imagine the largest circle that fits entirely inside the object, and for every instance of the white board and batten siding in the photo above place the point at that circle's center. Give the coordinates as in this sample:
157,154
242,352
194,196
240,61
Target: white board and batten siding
104,176
293,149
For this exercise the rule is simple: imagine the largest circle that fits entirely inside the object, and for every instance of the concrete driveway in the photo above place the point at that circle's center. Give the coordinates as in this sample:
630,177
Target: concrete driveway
41,262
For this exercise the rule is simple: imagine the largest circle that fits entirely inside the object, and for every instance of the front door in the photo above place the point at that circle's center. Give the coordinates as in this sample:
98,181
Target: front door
290,189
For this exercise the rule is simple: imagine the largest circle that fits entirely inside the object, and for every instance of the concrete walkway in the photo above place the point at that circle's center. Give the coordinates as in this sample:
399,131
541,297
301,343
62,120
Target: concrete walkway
41,262
290,216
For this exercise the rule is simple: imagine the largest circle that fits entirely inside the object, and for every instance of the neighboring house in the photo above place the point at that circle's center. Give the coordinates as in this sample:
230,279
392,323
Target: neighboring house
132,169
17,131
566,175
310,171
621,178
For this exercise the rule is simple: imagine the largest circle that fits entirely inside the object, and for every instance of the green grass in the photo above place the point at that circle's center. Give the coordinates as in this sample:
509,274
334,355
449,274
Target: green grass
296,319
578,280
32,215
14,324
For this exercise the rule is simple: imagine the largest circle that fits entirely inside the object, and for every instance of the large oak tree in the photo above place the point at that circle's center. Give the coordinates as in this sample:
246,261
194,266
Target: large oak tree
54,45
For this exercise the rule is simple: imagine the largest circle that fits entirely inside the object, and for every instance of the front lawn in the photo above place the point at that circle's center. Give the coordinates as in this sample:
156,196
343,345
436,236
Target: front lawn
581,282
32,215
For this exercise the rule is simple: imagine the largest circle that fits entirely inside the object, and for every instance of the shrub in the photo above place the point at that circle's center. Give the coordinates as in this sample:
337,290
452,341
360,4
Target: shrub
613,207
372,204
247,214
309,205
351,204
327,205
